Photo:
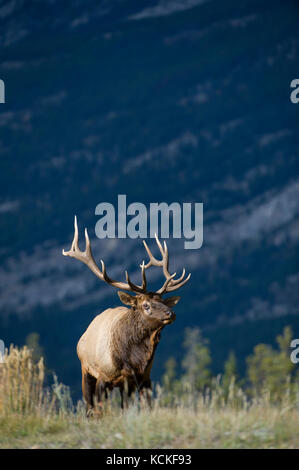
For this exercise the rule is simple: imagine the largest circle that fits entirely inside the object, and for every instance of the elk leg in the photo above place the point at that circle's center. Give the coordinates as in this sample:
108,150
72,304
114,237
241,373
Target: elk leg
145,392
123,401
126,391
88,390
101,391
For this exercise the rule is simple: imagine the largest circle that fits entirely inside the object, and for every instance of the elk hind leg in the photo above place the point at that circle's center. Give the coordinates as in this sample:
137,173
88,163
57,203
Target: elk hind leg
88,390
126,391
145,393
101,393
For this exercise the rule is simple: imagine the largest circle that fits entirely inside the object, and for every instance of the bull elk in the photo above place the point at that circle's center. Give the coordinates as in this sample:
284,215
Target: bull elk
118,347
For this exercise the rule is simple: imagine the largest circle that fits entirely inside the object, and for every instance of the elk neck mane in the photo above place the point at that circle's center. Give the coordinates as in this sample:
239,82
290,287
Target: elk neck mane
134,341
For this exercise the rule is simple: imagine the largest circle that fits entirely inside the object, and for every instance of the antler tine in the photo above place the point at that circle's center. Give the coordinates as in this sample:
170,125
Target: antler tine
176,281
170,284
144,282
155,262
75,239
166,254
105,275
76,235
87,243
75,251
159,244
87,258
163,288
135,287
172,287
152,261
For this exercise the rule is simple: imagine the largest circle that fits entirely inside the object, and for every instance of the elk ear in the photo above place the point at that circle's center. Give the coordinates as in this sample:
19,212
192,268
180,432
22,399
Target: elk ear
126,299
171,301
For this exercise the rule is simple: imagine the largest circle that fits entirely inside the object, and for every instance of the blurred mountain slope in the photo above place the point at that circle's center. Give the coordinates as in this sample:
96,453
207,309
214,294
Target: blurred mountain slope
161,101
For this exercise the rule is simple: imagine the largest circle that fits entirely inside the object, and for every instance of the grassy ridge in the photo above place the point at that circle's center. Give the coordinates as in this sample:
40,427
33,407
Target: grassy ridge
259,427
34,417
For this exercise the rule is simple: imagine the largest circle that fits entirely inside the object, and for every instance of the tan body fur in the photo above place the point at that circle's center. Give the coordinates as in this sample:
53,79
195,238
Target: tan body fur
95,348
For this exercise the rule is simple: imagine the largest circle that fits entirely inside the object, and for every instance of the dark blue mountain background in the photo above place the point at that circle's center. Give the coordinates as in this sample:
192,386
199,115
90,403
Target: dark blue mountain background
168,100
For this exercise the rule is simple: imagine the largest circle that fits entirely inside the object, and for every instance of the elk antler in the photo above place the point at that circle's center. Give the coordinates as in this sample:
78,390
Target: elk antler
170,284
87,258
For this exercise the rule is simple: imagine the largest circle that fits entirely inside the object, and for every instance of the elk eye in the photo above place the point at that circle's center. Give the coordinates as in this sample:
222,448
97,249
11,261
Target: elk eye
146,306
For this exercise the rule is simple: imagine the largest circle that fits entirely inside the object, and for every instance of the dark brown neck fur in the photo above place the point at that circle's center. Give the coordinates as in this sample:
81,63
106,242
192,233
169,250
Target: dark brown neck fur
134,342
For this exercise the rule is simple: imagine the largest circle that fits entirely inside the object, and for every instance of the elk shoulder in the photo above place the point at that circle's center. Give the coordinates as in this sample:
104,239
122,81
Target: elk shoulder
94,348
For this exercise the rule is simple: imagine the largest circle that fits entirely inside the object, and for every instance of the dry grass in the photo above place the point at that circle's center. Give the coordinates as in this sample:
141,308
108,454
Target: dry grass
21,382
31,417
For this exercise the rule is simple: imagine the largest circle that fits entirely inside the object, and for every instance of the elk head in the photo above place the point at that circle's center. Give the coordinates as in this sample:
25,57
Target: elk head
155,310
